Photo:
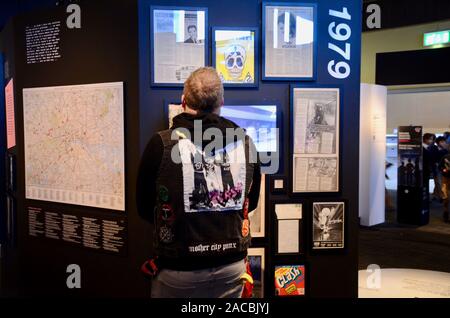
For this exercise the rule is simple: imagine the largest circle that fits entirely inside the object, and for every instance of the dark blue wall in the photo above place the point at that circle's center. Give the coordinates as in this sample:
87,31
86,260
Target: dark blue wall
330,274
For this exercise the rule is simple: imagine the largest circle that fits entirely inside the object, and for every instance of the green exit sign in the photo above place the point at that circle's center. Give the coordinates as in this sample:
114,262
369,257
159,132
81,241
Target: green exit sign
435,38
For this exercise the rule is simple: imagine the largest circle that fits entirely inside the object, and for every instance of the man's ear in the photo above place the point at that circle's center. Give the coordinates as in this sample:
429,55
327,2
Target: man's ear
183,102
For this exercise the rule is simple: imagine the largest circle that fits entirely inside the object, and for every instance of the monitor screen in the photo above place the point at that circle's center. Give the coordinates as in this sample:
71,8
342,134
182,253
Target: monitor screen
259,121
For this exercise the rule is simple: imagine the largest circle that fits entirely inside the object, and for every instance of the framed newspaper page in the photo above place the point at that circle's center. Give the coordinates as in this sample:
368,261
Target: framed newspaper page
315,139
328,225
235,55
178,43
289,41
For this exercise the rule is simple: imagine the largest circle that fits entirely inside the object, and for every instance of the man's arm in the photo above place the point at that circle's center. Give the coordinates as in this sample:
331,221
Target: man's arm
147,174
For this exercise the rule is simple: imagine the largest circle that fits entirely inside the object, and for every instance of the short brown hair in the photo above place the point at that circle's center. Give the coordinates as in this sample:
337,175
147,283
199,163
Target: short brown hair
203,90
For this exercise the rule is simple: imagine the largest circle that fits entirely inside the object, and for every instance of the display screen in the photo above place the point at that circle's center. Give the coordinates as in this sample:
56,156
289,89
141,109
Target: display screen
259,121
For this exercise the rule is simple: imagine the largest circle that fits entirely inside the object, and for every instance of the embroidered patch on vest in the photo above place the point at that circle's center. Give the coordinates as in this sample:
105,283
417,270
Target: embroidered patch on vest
166,234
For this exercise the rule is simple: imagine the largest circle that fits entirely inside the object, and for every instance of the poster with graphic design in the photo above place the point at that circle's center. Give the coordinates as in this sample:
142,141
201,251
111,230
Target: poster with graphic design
328,225
213,182
234,56
256,260
290,280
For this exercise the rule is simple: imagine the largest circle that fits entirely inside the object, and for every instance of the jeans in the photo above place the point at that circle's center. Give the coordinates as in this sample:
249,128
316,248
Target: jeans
218,282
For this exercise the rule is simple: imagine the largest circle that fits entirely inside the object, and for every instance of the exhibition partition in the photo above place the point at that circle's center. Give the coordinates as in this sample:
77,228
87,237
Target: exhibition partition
80,79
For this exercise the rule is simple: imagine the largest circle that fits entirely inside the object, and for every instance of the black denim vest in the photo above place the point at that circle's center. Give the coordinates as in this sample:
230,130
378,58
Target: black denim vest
210,227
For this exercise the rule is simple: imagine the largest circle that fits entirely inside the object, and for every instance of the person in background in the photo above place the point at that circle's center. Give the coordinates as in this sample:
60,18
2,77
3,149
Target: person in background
439,152
447,139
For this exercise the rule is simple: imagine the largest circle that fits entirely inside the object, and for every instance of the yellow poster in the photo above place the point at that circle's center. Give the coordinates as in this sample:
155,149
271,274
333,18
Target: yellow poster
235,56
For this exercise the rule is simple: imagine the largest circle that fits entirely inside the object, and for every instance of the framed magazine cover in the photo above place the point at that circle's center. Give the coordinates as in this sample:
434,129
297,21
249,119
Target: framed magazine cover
178,43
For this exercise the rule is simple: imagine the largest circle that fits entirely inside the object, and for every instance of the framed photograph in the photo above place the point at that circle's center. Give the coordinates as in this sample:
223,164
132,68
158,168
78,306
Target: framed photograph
179,43
256,259
315,139
328,225
257,217
290,280
289,41
288,228
235,56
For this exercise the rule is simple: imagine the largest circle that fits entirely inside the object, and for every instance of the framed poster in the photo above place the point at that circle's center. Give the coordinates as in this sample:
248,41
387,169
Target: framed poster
256,259
77,156
328,225
289,41
315,139
288,228
235,56
257,216
179,43
289,280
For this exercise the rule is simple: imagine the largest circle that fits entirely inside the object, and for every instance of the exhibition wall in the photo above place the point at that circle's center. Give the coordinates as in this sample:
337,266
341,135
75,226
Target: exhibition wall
336,270
104,49
113,46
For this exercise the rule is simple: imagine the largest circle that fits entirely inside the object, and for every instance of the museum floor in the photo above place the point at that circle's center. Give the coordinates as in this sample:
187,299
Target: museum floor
391,245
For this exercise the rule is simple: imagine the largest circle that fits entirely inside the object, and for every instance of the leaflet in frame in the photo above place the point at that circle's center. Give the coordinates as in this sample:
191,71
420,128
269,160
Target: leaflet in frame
328,225
315,139
179,44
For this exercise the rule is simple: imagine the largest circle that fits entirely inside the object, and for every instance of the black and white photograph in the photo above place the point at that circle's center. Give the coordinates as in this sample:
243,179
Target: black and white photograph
328,225
288,41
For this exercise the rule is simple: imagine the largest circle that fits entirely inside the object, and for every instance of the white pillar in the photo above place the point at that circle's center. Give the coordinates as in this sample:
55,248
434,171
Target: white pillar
372,154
